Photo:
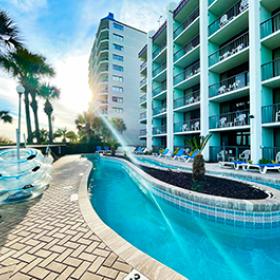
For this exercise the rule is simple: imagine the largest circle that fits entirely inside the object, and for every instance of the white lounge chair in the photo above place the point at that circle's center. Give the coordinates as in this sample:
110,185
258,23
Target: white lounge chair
245,155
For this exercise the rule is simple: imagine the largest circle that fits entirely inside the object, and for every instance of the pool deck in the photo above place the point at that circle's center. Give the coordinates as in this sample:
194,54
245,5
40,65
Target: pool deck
48,238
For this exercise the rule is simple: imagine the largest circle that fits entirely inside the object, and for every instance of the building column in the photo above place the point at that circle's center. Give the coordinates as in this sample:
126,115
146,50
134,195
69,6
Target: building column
169,78
204,79
255,80
149,91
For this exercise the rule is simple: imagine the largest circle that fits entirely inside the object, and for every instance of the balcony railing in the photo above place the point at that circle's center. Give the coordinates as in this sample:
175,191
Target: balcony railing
187,48
210,2
270,25
143,65
104,90
231,48
159,130
143,98
143,82
158,50
143,132
159,110
143,115
231,119
188,125
271,113
186,23
190,71
271,69
188,99
159,89
226,153
236,82
233,12
159,69
269,153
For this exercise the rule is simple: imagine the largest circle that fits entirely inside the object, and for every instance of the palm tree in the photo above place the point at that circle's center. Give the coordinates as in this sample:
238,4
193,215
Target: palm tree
27,66
9,34
43,136
66,134
49,93
5,117
119,124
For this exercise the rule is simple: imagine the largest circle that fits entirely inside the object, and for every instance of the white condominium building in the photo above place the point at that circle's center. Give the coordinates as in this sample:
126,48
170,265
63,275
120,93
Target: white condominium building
214,67
114,74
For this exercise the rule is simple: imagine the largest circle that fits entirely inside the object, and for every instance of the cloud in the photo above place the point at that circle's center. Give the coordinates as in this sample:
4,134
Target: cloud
28,5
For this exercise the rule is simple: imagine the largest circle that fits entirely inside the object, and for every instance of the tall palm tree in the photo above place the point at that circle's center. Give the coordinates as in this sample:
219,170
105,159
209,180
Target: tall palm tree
5,117
119,124
9,34
66,134
49,92
26,66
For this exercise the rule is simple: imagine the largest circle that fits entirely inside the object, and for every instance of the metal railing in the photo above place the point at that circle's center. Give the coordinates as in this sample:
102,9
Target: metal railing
143,132
270,25
188,72
236,82
159,130
269,153
187,48
143,115
231,119
143,82
143,98
186,23
158,50
271,69
271,113
159,110
229,15
159,89
231,48
143,65
226,153
187,99
159,69
188,125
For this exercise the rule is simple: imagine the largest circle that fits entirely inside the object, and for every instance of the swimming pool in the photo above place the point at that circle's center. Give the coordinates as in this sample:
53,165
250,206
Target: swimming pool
194,247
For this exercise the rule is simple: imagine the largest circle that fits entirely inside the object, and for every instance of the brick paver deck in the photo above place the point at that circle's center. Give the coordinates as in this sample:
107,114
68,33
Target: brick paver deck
47,238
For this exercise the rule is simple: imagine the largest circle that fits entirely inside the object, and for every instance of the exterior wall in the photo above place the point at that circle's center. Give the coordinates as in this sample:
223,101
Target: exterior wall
226,44
132,42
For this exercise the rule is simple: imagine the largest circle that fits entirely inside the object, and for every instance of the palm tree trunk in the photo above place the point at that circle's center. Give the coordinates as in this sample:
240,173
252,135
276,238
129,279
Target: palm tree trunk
34,106
28,120
50,129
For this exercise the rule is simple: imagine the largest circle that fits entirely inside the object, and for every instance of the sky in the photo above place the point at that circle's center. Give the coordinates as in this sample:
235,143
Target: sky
63,31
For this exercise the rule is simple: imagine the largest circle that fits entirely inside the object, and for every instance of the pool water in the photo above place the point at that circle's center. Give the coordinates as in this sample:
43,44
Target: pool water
195,247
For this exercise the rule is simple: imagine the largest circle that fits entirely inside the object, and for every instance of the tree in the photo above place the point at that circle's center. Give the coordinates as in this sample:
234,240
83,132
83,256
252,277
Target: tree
66,134
9,35
118,124
5,117
49,92
43,136
197,144
5,141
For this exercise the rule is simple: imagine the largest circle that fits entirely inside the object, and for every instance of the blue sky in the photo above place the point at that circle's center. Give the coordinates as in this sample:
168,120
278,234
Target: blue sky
63,31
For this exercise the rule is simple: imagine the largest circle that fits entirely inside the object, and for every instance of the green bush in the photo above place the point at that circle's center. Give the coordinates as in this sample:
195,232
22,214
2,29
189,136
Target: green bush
264,161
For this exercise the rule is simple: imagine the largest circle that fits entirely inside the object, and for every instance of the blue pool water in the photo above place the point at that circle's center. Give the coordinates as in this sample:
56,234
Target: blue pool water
195,247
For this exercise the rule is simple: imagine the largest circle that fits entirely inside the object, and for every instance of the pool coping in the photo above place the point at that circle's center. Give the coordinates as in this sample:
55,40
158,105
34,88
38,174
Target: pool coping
145,264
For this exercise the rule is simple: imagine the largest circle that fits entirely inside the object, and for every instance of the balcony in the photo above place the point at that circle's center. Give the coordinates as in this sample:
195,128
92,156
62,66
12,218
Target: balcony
143,132
143,99
237,85
143,116
226,153
160,89
143,83
187,100
188,126
159,110
158,130
184,54
229,121
270,31
230,55
271,73
158,50
271,114
143,66
269,153
158,69
230,23
185,78
184,26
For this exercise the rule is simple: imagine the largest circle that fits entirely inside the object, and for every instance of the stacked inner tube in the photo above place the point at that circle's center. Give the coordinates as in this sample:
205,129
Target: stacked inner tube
23,178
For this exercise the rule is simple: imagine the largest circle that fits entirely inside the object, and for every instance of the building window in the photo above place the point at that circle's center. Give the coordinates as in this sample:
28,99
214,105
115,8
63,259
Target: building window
118,37
118,47
117,89
118,57
117,78
118,26
117,68
117,109
117,99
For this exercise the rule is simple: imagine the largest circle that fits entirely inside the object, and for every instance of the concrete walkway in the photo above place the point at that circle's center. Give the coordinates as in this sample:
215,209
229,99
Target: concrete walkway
47,238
